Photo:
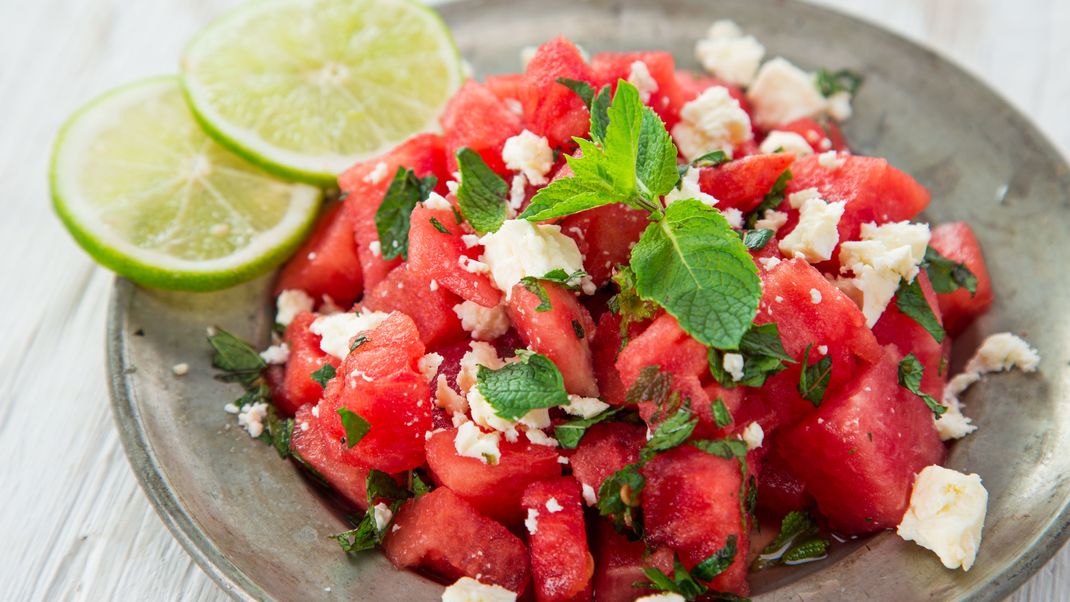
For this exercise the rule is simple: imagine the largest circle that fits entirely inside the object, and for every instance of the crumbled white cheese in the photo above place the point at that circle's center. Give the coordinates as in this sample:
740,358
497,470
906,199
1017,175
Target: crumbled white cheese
433,285
290,303
276,354
479,354
485,323
471,442
838,105
377,173
251,418
484,415
689,189
518,192
452,186
553,506
589,495
537,437
448,399
180,369
532,521
437,201
729,55
337,330
946,515
771,220
375,248
815,236
562,460
520,248
712,122
871,289
823,349
639,76
733,216
529,154
782,93
883,256
316,411
753,435
769,262
472,265
428,365
470,240
815,296
467,589
585,407
830,160
514,106
733,365
382,515
230,408
787,142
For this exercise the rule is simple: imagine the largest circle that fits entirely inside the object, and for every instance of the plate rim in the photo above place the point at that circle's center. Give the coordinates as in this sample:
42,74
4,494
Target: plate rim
238,586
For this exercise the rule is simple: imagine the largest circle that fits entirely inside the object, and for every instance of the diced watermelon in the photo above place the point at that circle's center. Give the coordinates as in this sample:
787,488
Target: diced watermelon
896,328
411,294
610,67
606,448
551,109
957,242
380,381
297,387
434,255
327,264
494,489
559,333
605,236
691,503
319,451
605,345
743,183
441,533
620,564
507,86
858,454
820,137
475,118
780,491
364,186
561,564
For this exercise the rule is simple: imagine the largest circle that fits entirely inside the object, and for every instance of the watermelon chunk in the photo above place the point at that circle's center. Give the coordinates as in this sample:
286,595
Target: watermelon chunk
434,255
297,387
561,564
326,265
605,236
606,448
820,137
364,186
315,449
858,454
556,333
780,491
691,503
508,87
896,328
441,533
475,118
494,489
551,109
743,183
411,294
957,242
605,345
621,562
610,67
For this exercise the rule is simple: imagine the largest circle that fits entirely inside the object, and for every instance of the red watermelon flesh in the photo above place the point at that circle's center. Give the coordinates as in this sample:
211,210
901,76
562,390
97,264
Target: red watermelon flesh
425,155
820,137
858,454
297,387
780,491
507,87
606,448
411,294
561,564
319,451
434,255
743,183
551,109
327,264
956,241
621,562
475,118
691,504
605,236
441,533
896,328
610,67
605,347
494,489
556,333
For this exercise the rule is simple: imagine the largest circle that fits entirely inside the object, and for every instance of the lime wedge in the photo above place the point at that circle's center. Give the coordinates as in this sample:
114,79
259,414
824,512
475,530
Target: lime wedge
148,194
306,88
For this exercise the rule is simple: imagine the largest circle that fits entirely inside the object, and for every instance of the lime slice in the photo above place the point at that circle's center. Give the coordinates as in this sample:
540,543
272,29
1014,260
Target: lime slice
306,88
148,194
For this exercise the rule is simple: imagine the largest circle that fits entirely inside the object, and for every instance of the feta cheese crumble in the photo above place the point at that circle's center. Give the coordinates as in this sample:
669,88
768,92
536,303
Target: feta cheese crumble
553,506
276,354
589,494
478,354
251,418
816,235
537,437
884,255
529,154
788,142
689,189
946,515
382,515
437,201
448,399
771,220
733,365
520,248
467,589
180,369
290,303
518,192
830,160
815,296
713,121
377,173
662,597
753,435
375,248
782,93
485,323
532,521
471,442
337,330
639,76
728,54
585,407
428,365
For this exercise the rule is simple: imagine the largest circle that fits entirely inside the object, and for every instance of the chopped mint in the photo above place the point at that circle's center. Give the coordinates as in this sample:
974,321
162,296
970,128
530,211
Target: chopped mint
910,374
618,497
582,89
324,374
482,193
831,82
814,378
670,433
763,356
438,226
517,388
946,275
357,342
627,304
236,358
569,434
796,543
910,300
755,240
392,217
721,416
355,426
772,199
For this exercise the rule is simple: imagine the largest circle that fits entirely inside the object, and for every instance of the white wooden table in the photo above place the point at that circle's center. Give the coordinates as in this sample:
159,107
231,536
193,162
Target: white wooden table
73,523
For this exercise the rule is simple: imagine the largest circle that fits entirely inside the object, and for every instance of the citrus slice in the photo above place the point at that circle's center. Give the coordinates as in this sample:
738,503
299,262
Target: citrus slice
306,88
148,194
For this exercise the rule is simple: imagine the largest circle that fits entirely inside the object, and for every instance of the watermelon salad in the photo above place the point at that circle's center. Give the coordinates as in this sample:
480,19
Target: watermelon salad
575,345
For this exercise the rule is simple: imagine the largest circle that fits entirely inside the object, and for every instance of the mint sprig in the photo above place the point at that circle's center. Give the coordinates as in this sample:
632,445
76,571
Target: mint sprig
382,488
763,356
569,434
910,374
796,543
482,192
814,378
910,300
517,388
392,217
689,584
948,276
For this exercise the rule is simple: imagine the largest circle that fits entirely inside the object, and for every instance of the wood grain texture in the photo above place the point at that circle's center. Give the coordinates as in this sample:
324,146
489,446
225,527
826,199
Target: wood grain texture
75,524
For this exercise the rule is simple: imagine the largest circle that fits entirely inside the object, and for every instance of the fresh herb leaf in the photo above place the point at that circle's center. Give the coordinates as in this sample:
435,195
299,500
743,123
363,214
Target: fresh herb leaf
831,82
418,484
755,240
577,328
652,385
582,89
618,497
910,300
364,537
772,199
324,374
814,378
946,275
728,449
536,288
600,114
258,392
627,304
278,432
517,388
383,488
670,433
482,193
807,551
689,585
569,434
910,374
392,217
717,562
438,226
357,342
238,360
712,159
355,426
796,543
721,416
763,356
795,524
557,276
693,264
655,157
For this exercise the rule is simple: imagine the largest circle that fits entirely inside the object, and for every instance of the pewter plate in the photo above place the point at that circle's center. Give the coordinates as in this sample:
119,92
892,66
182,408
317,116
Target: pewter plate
259,529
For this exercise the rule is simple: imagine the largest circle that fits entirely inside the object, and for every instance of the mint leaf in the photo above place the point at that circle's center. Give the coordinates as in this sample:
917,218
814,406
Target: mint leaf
946,275
693,264
792,526
763,356
383,488
582,89
671,432
577,328
600,114
392,217
807,551
569,434
910,374
418,484
712,159
814,378
772,199
438,226
728,449
517,388
652,385
278,432
717,562
721,416
618,497
364,537
755,240
655,157
236,358
324,374
558,276
355,426
627,304
796,543
357,342
831,82
482,193
536,288
910,300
